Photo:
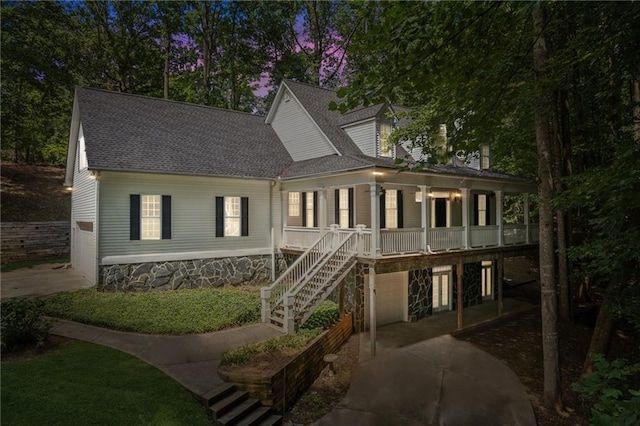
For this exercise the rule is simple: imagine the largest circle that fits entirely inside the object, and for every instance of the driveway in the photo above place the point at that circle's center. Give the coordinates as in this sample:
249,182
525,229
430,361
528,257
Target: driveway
441,381
41,280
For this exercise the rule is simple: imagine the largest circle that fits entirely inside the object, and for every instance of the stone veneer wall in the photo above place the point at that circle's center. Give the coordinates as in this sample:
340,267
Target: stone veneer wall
471,285
197,273
420,293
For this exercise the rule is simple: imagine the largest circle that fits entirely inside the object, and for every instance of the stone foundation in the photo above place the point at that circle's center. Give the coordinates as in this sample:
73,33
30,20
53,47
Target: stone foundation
471,285
152,276
420,293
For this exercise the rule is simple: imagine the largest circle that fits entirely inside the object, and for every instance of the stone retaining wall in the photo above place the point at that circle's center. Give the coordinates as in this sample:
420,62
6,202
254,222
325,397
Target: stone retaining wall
151,276
283,388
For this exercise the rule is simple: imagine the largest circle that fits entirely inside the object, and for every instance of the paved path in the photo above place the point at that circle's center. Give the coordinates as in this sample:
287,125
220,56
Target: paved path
41,280
192,359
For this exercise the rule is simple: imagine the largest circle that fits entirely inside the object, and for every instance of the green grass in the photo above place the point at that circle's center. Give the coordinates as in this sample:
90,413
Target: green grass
166,312
85,383
6,267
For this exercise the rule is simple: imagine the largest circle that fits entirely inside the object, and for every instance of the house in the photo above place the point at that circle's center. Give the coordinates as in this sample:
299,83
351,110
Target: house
171,195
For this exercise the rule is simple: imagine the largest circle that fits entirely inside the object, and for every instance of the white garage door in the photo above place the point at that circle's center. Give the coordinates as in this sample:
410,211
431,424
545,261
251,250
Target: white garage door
391,298
84,250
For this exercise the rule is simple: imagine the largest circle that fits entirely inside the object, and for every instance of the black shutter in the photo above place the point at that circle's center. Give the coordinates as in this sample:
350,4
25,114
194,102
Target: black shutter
475,210
383,211
315,209
219,216
304,209
134,217
337,207
351,209
399,202
244,216
166,217
488,213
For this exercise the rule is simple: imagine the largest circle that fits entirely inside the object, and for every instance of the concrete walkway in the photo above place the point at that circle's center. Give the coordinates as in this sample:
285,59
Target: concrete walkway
40,280
192,360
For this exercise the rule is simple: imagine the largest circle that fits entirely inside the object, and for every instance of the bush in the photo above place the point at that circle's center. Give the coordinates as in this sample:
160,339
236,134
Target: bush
616,403
23,324
324,317
243,355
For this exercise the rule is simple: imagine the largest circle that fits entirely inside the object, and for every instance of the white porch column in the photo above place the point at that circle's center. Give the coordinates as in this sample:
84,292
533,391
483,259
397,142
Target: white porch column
372,308
499,208
465,217
425,219
322,208
526,219
375,219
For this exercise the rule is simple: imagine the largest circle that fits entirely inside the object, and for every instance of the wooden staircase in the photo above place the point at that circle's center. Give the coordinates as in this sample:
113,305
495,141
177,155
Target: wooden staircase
230,406
295,295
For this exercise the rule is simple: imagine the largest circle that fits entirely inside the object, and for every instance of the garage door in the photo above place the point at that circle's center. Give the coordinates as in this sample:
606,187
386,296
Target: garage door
84,249
391,298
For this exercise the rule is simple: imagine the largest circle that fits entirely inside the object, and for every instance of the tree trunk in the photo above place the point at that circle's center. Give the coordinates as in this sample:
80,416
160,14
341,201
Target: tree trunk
601,338
165,74
558,174
549,303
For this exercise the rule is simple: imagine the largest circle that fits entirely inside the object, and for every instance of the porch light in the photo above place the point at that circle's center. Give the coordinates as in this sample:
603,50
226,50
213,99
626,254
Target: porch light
430,194
378,173
69,188
418,196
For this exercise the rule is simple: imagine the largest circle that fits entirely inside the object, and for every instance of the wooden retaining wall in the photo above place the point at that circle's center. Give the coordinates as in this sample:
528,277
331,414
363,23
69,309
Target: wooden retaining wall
282,389
34,240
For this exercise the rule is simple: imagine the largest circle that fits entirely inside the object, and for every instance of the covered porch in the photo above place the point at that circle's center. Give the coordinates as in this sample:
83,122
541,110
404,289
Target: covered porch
397,219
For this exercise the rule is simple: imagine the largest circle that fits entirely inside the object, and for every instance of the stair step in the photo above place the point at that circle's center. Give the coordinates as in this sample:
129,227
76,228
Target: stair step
227,404
272,420
238,412
217,394
255,417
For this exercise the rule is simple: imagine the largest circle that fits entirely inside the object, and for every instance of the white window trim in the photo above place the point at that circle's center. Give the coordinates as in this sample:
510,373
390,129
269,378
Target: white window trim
231,218
310,210
482,209
383,138
343,207
391,212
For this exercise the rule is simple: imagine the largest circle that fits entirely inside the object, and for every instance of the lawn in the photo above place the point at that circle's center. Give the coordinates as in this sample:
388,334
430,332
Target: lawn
83,383
167,312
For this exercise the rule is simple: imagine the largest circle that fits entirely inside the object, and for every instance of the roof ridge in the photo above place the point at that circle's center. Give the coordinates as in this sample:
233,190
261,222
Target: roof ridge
309,85
135,95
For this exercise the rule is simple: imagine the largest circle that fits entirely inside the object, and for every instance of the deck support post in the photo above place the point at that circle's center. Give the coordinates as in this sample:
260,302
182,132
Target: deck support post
265,295
372,308
499,209
460,273
526,219
500,279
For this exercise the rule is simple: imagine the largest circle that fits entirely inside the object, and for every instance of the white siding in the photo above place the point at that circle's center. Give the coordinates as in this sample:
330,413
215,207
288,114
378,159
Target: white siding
364,136
193,213
298,132
363,205
83,209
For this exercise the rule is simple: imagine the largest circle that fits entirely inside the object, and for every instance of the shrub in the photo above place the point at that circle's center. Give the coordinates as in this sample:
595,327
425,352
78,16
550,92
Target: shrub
324,317
243,355
610,385
23,324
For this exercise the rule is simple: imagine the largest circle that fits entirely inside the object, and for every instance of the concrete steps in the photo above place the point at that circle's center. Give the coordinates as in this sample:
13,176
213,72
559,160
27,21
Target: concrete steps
230,406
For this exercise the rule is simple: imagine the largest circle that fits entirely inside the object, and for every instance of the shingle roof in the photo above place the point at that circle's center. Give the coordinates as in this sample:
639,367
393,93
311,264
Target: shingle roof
136,133
323,165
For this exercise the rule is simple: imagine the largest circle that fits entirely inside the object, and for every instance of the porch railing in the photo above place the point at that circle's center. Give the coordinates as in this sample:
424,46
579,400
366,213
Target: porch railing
406,240
299,237
484,236
514,233
446,238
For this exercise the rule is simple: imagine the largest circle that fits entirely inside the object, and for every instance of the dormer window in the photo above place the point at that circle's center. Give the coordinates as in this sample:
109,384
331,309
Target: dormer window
484,157
386,148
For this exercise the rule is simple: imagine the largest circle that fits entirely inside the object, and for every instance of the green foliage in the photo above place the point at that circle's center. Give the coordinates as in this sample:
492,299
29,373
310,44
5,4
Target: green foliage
611,385
83,383
167,312
324,317
243,355
23,324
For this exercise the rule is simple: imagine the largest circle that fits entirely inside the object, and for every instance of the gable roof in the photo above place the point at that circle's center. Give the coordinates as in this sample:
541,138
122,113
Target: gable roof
136,133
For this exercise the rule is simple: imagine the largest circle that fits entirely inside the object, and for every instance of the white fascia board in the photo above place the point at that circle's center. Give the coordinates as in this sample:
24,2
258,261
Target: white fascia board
357,123
73,143
274,105
192,255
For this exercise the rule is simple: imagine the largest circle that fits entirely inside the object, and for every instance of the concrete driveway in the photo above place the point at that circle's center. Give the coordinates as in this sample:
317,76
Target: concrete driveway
41,280
441,381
